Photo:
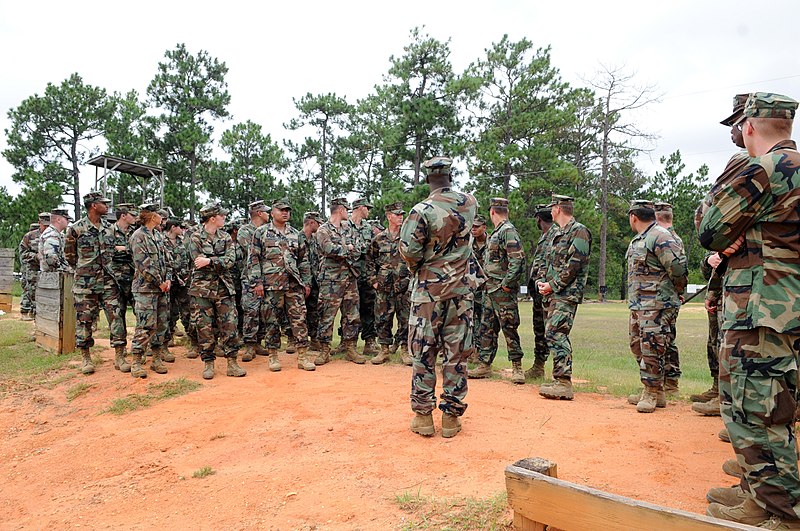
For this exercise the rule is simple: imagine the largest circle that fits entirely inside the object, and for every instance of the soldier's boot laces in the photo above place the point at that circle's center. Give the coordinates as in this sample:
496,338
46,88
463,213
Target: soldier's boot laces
351,354
451,425
274,362
727,496
671,387
483,370
136,366
732,468
371,347
560,389
234,369
647,402
157,365
748,512
88,366
723,435
709,409
423,424
259,350
776,522
304,361
291,345
381,357
324,355
166,354
192,353
248,352
536,372
120,363
517,376
208,370
705,396
404,357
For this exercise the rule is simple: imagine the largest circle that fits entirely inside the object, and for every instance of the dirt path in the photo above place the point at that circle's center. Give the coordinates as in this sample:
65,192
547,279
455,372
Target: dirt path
323,450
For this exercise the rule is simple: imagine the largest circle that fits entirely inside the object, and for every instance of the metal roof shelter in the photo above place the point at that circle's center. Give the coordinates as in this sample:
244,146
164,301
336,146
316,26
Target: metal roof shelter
111,163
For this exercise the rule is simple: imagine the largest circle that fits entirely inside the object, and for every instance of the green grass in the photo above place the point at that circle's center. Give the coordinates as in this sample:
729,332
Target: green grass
455,514
21,360
204,472
155,393
16,289
78,390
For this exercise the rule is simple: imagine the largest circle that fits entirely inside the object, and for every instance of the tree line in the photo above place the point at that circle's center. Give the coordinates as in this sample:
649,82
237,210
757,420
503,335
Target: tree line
515,126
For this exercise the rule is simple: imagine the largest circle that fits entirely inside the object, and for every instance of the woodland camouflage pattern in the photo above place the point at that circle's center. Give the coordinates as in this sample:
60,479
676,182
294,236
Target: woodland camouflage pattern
29,267
657,273
51,251
253,329
151,305
337,278
366,293
386,268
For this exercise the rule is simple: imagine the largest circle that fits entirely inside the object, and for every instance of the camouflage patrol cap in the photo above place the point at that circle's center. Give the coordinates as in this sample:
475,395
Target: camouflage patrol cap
33,226
212,209
281,204
768,105
478,221
662,206
44,218
738,106
394,208
362,201
315,216
339,201
557,199
258,206
149,207
637,204
438,166
164,213
125,208
542,209
232,226
60,212
95,197
498,202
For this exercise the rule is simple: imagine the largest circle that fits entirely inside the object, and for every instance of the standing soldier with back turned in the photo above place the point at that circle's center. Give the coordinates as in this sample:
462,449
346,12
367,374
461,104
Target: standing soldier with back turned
51,243
541,256
29,255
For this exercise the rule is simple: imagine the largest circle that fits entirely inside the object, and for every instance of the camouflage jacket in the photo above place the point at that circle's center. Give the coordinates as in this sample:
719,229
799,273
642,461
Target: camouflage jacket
505,259
713,276
29,250
277,260
122,261
179,260
763,278
479,250
336,262
435,242
51,251
364,237
568,267
238,264
312,251
656,270
736,164
245,239
385,266
151,261
541,256
213,281
89,250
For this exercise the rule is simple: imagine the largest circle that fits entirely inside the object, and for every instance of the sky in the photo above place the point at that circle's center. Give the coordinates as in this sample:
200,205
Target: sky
696,54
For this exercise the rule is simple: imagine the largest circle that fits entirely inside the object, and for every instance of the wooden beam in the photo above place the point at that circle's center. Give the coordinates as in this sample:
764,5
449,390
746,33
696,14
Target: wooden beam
549,501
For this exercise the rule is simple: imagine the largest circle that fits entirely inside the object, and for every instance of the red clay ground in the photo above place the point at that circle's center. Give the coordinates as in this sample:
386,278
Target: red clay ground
323,450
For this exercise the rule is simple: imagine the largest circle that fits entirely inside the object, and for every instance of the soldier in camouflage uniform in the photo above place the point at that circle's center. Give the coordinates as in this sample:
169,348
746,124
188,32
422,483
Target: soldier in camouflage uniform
563,285
125,215
179,300
25,304
29,263
753,221
51,243
152,280
541,255
311,223
435,243
212,291
253,328
232,228
503,267
479,253
389,276
280,273
338,277
89,249
366,293
656,280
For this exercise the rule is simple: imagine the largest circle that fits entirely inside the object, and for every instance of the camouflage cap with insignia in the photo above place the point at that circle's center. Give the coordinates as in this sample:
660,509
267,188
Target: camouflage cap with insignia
281,204
362,201
479,220
339,201
44,218
641,203
557,199
315,216
498,202
258,206
768,105
125,208
33,226
738,106
95,197
394,208
60,212
662,206
213,209
149,207
438,166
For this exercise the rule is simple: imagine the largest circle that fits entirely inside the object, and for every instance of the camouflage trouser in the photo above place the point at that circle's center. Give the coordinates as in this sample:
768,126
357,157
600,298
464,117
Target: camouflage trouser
672,360
444,326
239,311
313,311
758,385
28,302
389,305
560,317
292,303
541,350
649,334
713,342
125,301
252,325
87,309
179,301
477,314
213,319
366,309
152,321
332,296
500,312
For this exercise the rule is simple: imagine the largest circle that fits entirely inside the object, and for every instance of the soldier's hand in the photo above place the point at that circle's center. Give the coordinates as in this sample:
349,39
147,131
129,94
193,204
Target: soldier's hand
350,247
259,290
714,260
120,248
308,291
164,286
711,306
201,261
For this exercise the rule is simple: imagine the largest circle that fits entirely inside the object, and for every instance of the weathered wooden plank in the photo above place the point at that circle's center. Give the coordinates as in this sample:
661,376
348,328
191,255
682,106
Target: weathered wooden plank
47,326
7,253
68,316
5,302
565,505
48,342
49,280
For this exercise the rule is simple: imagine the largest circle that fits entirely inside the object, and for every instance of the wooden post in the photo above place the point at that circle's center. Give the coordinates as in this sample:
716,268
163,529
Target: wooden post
523,522
6,278
55,312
